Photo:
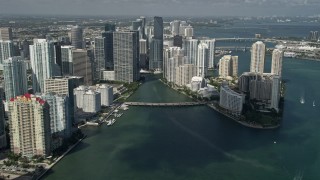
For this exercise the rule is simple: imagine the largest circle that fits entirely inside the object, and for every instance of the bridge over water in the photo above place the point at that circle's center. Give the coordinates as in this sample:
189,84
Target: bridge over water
165,104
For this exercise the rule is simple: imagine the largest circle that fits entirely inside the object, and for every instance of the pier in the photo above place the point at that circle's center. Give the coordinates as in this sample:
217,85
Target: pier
165,104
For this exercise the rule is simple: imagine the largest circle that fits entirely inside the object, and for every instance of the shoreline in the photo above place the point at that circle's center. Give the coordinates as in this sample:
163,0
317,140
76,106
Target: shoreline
258,126
59,158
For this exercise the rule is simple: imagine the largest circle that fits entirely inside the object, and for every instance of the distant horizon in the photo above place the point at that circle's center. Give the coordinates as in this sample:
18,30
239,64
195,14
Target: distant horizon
164,8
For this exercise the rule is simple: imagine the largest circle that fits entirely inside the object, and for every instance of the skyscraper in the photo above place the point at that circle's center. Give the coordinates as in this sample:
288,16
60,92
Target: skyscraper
175,25
64,86
211,45
67,60
156,45
42,63
29,123
258,57
156,54
202,60
276,65
76,37
99,57
126,56
190,47
82,65
108,49
15,77
106,94
6,51
6,34
228,66
158,27
275,94
3,139
143,58
60,121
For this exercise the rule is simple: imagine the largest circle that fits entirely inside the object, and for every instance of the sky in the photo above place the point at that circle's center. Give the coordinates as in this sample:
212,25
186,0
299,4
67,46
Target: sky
163,7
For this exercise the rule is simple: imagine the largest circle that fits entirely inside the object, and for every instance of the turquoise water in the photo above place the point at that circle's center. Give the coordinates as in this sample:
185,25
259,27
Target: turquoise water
198,143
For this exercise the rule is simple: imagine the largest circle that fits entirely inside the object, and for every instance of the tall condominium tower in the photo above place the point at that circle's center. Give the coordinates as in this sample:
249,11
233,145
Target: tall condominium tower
156,45
82,65
99,57
158,27
126,56
6,34
64,86
202,60
211,45
276,65
156,54
60,121
143,58
66,58
76,37
15,77
6,51
108,49
275,94
29,123
42,63
175,25
190,47
258,57
228,66
3,139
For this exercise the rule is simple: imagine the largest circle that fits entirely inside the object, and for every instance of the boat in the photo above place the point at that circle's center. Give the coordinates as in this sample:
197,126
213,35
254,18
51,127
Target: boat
314,104
302,100
289,54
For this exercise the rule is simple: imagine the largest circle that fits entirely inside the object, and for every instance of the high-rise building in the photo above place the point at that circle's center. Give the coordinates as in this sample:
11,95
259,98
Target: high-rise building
156,45
143,33
143,55
258,57
108,48
109,27
76,37
64,86
184,74
67,60
126,56
228,66
190,47
29,123
78,96
92,101
261,88
173,57
42,63
158,27
6,51
3,139
202,60
211,45
188,32
276,64
275,96
6,34
99,57
156,54
106,94
177,41
82,65
175,25
15,77
136,25
60,120
231,100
